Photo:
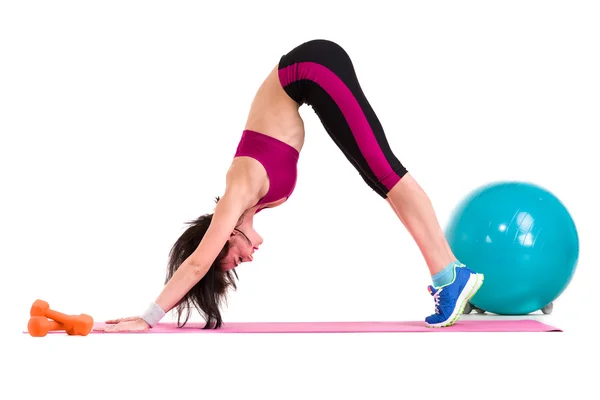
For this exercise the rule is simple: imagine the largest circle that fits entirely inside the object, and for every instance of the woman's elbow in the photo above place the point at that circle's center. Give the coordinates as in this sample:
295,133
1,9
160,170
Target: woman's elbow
196,269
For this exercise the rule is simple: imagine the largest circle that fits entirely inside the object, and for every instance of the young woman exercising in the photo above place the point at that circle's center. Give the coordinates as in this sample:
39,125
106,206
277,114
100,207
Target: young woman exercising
263,175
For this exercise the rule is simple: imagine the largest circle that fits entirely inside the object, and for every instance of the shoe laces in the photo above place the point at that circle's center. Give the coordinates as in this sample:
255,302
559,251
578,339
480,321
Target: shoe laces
436,299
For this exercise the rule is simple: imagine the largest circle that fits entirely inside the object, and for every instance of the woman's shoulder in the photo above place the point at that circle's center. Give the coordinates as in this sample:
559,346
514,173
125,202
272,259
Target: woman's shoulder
247,177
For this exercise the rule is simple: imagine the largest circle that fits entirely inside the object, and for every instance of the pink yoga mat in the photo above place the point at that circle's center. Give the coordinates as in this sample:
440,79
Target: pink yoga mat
524,325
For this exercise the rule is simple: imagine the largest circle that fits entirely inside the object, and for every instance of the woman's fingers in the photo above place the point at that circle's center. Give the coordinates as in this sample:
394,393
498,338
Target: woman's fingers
116,321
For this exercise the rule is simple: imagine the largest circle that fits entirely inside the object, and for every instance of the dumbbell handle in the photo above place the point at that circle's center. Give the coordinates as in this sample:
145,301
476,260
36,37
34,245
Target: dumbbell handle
60,317
55,326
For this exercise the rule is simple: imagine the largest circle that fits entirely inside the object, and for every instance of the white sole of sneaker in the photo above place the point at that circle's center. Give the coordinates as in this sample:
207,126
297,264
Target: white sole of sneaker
473,284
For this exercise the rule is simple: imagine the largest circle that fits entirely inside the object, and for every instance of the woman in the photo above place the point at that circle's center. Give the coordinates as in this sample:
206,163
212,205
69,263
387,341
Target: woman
263,175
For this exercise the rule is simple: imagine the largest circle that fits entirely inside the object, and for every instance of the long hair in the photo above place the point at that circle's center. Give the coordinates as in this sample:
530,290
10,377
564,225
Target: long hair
210,292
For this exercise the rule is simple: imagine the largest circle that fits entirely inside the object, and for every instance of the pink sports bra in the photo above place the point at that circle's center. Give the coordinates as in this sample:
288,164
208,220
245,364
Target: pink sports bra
278,158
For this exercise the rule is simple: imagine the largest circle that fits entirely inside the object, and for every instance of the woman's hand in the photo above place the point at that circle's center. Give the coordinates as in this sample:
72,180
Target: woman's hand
130,324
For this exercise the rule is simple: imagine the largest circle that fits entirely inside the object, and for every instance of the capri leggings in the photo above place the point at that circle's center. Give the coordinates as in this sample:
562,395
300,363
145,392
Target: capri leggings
319,73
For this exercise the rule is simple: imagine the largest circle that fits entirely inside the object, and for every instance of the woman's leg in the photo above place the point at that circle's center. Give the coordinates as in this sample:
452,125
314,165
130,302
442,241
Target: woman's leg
320,73
413,207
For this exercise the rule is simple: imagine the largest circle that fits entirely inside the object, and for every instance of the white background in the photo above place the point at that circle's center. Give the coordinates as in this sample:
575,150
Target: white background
119,120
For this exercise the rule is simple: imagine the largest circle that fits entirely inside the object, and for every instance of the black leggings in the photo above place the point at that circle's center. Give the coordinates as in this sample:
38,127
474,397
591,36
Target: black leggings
320,73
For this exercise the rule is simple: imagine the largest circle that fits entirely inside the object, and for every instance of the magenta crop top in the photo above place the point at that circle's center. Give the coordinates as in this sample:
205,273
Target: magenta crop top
278,158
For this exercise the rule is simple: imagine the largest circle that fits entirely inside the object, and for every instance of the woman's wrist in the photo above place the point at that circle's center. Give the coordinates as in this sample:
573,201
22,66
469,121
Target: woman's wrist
153,314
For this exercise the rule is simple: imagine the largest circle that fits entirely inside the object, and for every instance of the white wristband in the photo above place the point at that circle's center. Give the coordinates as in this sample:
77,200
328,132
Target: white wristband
153,314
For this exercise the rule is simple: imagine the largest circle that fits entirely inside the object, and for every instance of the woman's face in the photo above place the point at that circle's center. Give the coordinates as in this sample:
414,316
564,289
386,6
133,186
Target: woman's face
243,242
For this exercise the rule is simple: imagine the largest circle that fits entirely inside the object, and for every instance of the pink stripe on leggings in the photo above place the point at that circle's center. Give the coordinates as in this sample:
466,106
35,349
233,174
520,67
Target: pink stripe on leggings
353,113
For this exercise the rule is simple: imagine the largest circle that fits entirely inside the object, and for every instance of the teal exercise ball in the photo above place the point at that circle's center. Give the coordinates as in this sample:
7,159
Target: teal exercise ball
522,238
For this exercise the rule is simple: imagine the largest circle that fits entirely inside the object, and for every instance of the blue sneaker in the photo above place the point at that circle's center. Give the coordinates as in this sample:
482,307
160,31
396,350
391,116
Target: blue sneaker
450,299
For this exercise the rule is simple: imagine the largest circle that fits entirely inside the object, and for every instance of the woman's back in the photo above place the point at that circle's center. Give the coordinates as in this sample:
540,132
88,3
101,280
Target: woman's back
273,114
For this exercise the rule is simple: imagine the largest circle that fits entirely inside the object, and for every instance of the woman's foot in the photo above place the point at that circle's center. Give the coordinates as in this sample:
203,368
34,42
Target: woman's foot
450,299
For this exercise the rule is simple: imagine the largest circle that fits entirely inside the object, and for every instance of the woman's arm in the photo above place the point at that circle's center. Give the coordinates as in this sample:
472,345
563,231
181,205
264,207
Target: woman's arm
242,191
226,216
227,213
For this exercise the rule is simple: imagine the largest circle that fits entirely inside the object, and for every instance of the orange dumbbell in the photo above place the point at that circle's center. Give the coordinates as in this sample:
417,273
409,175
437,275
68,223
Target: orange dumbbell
73,324
40,326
